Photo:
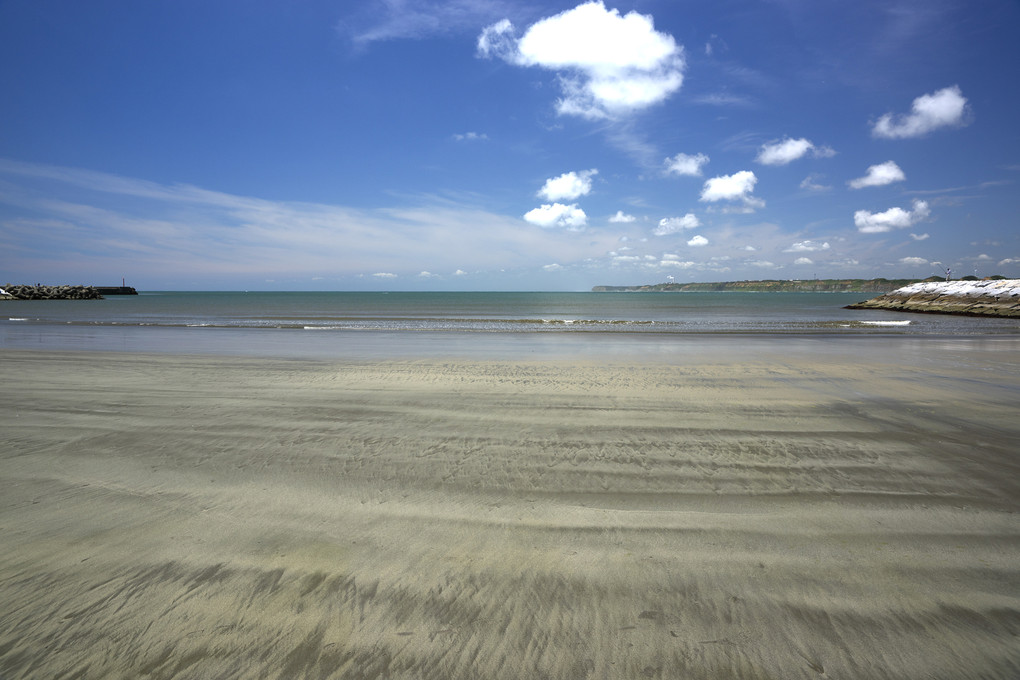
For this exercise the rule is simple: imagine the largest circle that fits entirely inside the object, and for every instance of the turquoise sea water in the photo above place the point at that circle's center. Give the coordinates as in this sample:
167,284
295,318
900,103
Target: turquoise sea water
345,324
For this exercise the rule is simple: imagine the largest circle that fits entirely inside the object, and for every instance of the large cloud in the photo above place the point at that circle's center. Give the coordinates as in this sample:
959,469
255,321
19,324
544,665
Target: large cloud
735,187
879,175
568,186
789,150
945,108
558,215
893,218
608,64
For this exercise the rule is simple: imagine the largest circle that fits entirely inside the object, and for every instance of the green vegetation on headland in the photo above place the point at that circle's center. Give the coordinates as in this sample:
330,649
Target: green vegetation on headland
774,286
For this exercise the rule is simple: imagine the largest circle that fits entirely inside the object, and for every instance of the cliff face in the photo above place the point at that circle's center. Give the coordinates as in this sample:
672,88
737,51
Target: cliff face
971,298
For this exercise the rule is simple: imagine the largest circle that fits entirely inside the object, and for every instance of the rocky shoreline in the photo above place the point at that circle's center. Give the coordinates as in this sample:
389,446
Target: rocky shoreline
969,298
19,292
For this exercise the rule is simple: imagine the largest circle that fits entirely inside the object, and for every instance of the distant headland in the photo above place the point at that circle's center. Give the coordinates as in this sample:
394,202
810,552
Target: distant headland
770,286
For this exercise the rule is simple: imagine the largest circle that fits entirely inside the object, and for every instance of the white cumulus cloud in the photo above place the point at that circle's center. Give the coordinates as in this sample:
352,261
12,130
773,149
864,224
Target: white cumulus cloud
608,64
913,260
568,186
735,187
683,164
671,225
807,247
698,241
879,175
944,108
558,215
803,260
789,150
893,218
622,218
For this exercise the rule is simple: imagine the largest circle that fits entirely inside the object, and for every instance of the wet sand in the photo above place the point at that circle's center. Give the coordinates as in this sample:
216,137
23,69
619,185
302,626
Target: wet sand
195,517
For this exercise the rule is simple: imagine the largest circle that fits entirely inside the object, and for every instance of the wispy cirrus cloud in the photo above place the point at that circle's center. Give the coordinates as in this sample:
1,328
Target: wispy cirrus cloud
93,223
381,20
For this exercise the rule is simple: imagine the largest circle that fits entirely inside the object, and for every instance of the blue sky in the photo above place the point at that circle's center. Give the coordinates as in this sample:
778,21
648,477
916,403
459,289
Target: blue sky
504,145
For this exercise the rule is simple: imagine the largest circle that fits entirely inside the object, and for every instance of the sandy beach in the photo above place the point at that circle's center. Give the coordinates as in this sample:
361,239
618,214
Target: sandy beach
743,517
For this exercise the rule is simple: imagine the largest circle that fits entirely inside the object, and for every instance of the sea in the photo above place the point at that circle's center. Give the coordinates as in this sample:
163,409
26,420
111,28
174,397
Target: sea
371,325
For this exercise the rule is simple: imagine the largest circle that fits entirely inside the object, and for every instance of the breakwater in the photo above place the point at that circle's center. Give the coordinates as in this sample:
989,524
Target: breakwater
970,298
41,292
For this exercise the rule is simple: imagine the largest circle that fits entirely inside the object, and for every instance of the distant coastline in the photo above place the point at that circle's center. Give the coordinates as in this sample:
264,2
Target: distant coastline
878,285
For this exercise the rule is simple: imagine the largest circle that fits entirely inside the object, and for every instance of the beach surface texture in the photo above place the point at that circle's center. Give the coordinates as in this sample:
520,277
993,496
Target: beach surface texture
971,298
804,515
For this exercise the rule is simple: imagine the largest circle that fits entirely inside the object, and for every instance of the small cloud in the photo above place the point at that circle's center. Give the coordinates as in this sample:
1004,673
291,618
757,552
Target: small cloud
1009,260
879,175
568,186
384,275
789,150
471,137
913,261
698,241
810,184
671,225
683,164
679,264
893,218
608,64
945,108
807,247
735,187
919,237
803,260
552,267
622,218
460,272
426,275
558,215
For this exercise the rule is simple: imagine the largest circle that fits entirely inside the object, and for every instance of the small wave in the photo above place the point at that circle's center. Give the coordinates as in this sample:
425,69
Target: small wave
16,318
886,323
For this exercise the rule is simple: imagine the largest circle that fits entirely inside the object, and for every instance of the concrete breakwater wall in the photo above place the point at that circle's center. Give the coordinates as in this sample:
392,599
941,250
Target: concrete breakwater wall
40,292
971,298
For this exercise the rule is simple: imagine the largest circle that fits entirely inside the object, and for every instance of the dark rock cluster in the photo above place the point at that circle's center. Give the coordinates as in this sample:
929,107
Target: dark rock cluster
41,292
981,298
